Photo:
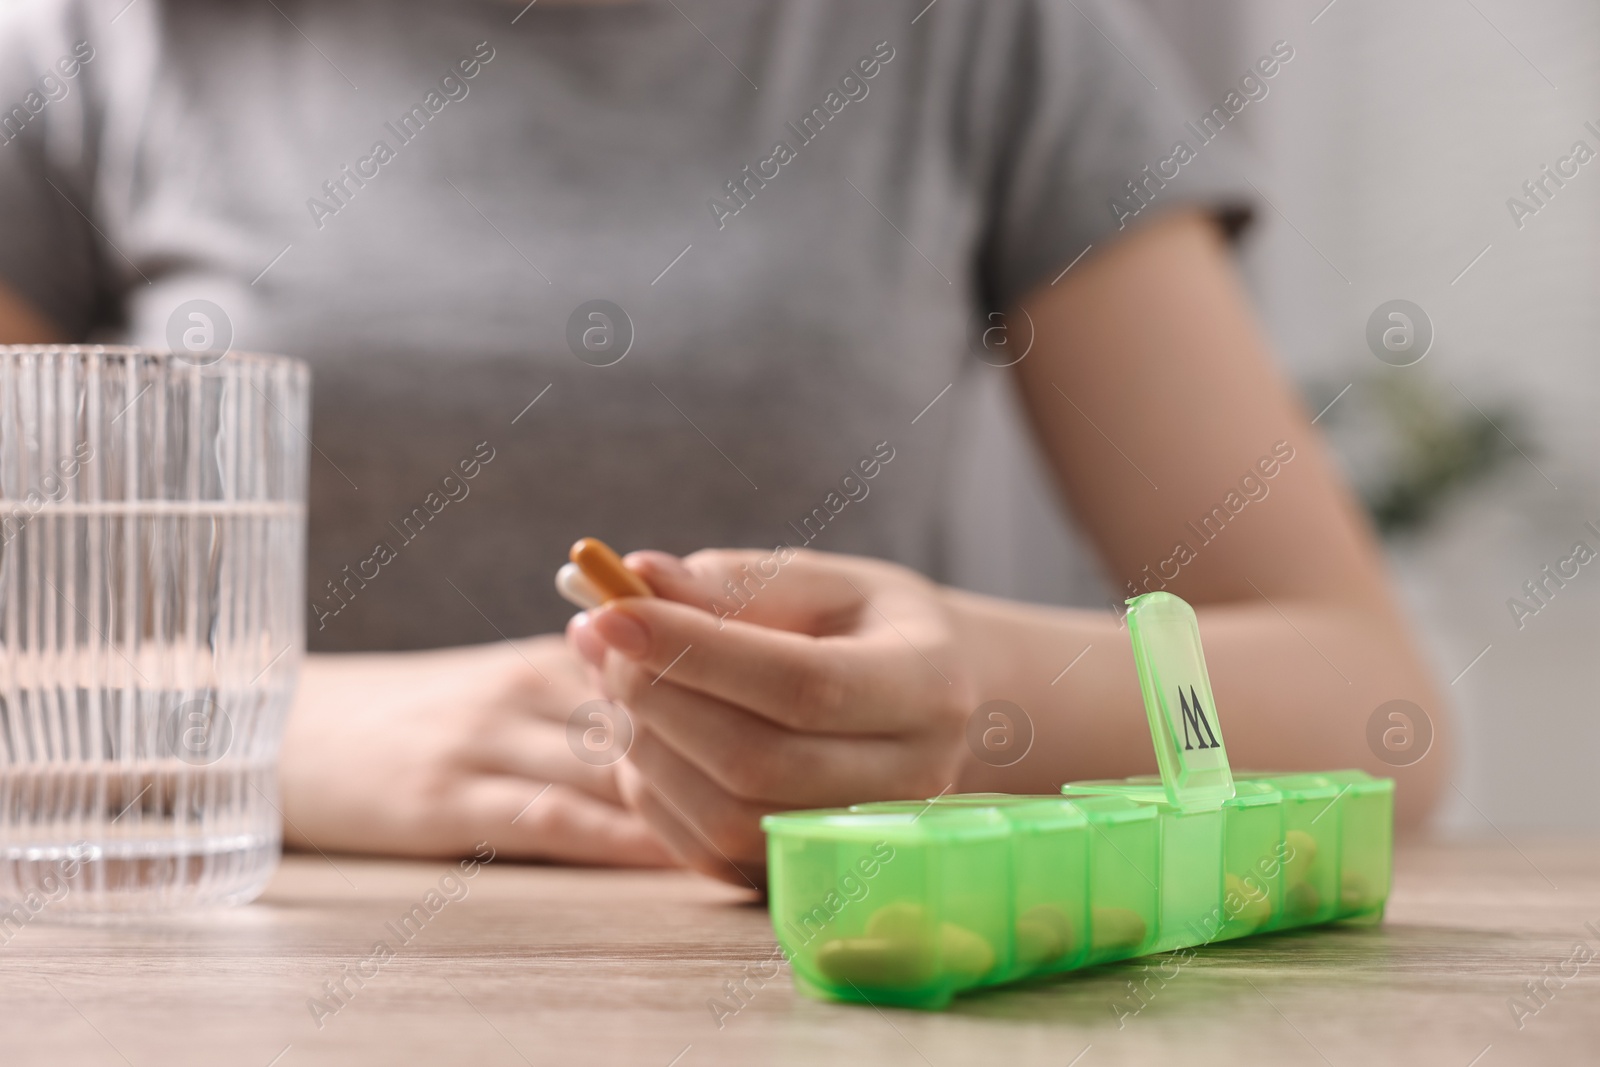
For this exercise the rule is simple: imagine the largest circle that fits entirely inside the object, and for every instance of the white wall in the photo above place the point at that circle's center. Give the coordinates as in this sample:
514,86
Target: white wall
1393,141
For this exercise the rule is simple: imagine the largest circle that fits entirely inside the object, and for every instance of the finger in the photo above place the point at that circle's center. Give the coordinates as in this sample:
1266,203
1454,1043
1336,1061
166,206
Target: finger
875,683
785,588
526,820
584,642
756,760
553,669
712,831
688,848
541,750
671,578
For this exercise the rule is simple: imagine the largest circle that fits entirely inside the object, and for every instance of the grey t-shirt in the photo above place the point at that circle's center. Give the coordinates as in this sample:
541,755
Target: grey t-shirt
804,210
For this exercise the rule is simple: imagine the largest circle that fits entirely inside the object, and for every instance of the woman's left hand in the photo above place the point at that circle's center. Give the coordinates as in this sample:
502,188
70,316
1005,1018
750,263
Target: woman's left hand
829,680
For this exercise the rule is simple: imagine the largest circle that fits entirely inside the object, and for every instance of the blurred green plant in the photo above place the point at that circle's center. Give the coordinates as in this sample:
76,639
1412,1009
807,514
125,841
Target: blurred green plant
1414,444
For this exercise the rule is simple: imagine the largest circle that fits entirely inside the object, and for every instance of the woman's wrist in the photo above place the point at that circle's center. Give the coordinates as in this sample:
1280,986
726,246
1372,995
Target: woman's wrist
1068,686
1018,651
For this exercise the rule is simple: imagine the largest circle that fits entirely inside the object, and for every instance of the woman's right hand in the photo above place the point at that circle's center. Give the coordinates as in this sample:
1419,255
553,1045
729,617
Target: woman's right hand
430,753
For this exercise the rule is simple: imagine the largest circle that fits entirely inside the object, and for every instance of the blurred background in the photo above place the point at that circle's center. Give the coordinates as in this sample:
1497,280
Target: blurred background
1388,149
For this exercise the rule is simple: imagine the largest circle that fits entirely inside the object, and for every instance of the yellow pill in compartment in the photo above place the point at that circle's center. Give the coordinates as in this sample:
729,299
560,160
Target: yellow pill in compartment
1044,936
1245,903
1356,893
903,920
964,954
904,949
1115,929
1299,856
1301,901
876,962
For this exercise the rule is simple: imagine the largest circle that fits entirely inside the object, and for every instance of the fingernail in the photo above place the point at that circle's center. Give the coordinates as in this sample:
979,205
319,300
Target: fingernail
622,631
583,638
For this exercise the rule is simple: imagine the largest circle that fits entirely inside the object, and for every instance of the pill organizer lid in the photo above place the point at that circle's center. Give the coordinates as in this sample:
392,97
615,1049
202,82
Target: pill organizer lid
1110,809
895,821
1024,813
1255,792
1358,782
1301,786
1145,792
1184,724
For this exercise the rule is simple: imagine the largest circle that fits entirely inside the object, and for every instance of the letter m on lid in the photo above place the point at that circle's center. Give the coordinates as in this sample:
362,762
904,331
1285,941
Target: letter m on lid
1195,715
1184,722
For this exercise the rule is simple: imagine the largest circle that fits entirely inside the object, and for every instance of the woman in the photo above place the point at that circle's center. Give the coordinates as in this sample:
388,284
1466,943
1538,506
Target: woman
681,275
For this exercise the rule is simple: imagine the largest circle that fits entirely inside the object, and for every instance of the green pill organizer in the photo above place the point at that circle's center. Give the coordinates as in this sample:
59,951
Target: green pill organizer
912,902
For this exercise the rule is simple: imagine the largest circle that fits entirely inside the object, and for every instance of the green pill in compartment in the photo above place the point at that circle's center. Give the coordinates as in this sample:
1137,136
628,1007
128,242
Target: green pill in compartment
1252,845
1366,843
1124,869
1308,854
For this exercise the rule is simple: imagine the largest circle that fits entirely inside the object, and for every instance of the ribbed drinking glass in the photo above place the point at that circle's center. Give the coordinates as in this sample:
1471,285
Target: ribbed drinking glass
152,546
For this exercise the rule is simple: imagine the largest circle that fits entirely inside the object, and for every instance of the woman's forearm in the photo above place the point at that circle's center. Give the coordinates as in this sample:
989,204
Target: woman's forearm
430,753
1295,684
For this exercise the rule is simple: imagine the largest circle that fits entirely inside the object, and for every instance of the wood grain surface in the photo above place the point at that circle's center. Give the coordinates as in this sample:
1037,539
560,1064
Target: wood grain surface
540,965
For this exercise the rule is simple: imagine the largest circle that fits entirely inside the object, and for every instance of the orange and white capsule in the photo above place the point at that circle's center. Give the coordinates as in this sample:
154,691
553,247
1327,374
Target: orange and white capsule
602,574
576,589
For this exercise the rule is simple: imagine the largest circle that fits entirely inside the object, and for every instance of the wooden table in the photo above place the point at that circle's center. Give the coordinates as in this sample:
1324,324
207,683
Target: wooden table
539,965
